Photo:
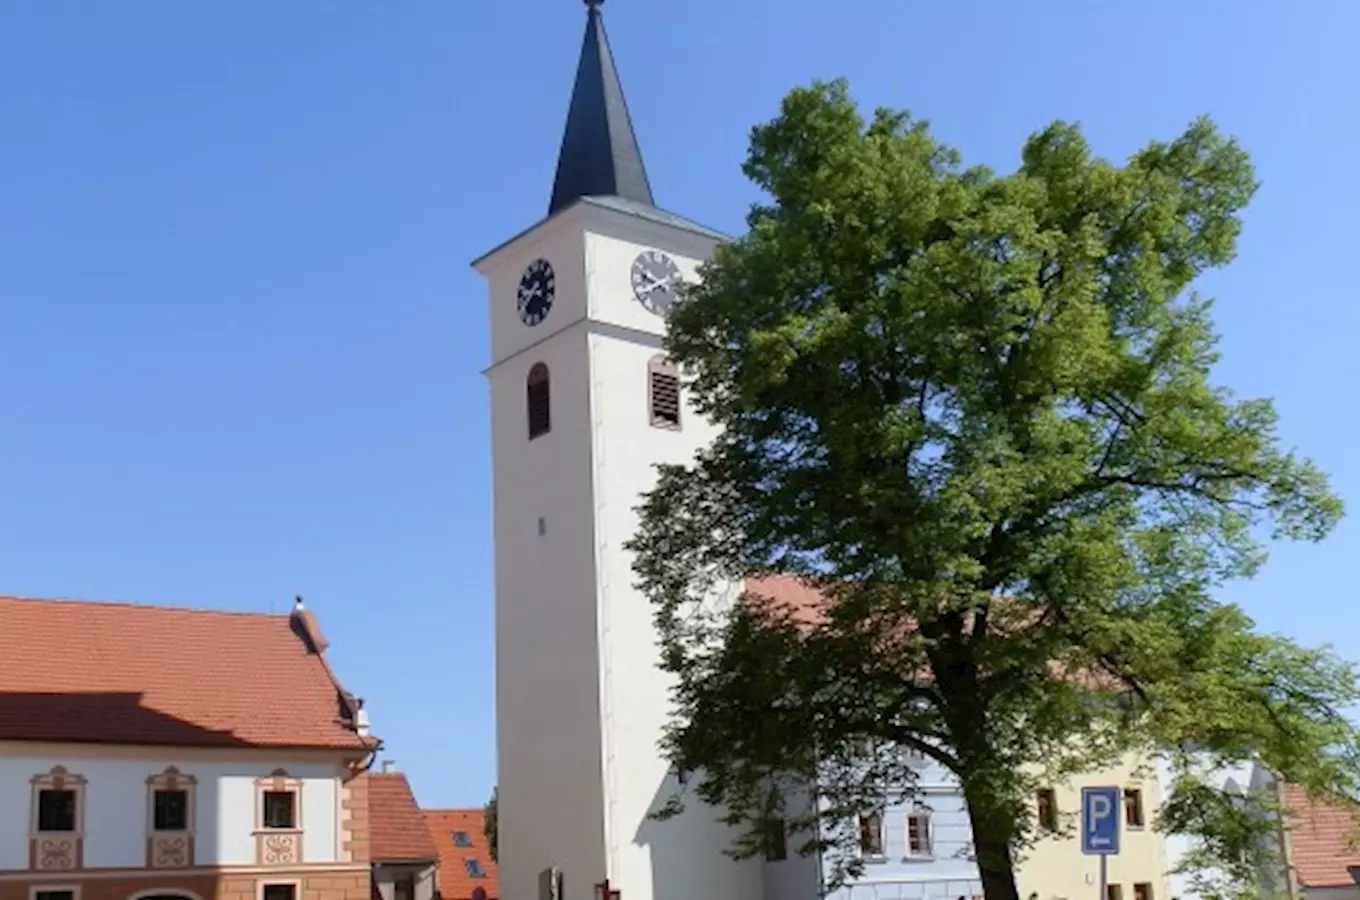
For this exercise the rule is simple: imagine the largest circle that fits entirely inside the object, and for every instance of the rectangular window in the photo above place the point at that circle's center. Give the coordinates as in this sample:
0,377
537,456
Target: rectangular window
461,839
279,892
776,841
170,810
871,834
56,810
280,809
405,886
1142,891
1048,809
1133,808
1114,892
918,834
664,390
474,868
54,895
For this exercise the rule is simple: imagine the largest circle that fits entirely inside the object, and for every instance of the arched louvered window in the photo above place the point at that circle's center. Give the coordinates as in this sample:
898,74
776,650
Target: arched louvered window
663,393
538,397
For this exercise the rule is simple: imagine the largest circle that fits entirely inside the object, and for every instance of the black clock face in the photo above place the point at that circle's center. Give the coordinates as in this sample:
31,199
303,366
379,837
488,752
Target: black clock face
537,287
656,281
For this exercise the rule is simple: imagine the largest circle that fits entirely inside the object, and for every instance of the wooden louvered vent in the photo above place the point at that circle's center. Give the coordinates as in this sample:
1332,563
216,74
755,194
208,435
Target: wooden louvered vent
538,398
664,393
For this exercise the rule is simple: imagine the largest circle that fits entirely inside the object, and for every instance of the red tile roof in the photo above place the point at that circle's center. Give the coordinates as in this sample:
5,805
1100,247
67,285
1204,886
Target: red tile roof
396,827
802,604
126,674
454,881
1321,840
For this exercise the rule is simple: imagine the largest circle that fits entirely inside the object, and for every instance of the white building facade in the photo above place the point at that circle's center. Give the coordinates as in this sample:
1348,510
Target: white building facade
210,806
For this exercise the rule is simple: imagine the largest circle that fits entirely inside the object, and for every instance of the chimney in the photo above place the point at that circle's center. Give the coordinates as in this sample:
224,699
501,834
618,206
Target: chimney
305,626
360,718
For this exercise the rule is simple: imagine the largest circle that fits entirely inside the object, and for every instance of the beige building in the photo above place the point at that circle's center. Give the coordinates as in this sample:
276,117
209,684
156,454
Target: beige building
1056,869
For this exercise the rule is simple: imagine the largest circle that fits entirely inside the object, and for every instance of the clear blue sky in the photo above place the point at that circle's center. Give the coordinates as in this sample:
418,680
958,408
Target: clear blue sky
242,344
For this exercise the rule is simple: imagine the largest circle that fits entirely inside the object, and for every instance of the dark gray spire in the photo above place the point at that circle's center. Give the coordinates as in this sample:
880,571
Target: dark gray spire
600,155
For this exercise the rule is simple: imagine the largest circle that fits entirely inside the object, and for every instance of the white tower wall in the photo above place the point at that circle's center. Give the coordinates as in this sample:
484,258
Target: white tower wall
581,703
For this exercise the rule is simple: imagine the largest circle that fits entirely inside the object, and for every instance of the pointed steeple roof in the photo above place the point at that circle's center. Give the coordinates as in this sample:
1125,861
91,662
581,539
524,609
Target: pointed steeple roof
600,155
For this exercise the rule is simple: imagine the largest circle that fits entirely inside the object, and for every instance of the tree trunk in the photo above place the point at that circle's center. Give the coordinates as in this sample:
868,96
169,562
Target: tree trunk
992,850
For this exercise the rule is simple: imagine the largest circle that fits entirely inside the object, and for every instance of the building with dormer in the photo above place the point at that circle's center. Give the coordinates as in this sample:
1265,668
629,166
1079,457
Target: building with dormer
177,754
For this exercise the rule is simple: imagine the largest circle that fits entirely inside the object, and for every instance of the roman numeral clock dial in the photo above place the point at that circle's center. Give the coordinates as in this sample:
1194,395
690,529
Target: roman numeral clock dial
656,281
537,288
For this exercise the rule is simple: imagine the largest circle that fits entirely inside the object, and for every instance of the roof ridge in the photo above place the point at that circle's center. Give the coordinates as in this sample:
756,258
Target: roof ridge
132,604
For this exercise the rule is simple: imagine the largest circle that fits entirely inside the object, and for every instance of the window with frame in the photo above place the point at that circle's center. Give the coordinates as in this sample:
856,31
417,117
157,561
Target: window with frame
57,810
1133,807
54,895
663,393
871,842
404,886
918,834
279,809
1142,891
1114,892
776,840
461,839
538,399
1046,803
170,809
279,892
474,868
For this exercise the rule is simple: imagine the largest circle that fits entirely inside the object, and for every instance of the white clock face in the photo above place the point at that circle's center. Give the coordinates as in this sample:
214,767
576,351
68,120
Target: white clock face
656,281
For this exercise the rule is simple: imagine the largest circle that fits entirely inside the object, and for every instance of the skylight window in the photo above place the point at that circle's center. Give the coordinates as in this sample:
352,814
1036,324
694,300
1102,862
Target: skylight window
474,868
461,839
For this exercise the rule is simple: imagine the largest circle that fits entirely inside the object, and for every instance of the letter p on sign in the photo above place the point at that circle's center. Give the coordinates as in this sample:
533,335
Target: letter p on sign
1100,821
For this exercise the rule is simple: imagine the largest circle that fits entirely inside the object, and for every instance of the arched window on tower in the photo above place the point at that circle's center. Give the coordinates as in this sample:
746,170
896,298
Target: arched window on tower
538,397
663,393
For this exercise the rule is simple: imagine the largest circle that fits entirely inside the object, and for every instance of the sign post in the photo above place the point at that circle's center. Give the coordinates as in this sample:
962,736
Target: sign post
1100,828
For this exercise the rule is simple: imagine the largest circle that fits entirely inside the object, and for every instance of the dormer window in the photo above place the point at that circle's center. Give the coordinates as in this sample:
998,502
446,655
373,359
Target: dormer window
663,393
538,399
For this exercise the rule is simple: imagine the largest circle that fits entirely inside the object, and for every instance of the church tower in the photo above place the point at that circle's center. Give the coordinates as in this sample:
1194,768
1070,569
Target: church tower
583,406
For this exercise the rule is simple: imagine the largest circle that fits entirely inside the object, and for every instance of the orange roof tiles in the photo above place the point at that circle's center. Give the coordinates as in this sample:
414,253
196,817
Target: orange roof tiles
126,674
455,882
1321,840
396,827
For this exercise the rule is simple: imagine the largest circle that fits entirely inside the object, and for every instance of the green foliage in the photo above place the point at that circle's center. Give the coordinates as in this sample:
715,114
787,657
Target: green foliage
977,411
490,823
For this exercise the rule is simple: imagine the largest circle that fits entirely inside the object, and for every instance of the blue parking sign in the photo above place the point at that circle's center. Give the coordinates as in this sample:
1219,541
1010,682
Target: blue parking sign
1100,821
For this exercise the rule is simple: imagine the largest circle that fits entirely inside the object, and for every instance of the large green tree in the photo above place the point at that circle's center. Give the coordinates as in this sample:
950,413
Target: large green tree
976,412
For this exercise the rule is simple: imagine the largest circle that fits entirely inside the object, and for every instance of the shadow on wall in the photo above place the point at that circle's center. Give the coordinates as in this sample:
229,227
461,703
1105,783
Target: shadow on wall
687,851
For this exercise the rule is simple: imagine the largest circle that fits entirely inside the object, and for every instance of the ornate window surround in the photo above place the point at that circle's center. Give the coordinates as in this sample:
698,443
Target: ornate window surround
277,846
58,850
170,849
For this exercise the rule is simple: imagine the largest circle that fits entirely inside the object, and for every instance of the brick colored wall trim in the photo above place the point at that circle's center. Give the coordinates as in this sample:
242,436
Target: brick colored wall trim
355,828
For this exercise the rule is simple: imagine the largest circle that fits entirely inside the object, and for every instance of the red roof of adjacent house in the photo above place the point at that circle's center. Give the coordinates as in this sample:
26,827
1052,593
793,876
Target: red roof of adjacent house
125,674
396,827
447,828
1321,840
